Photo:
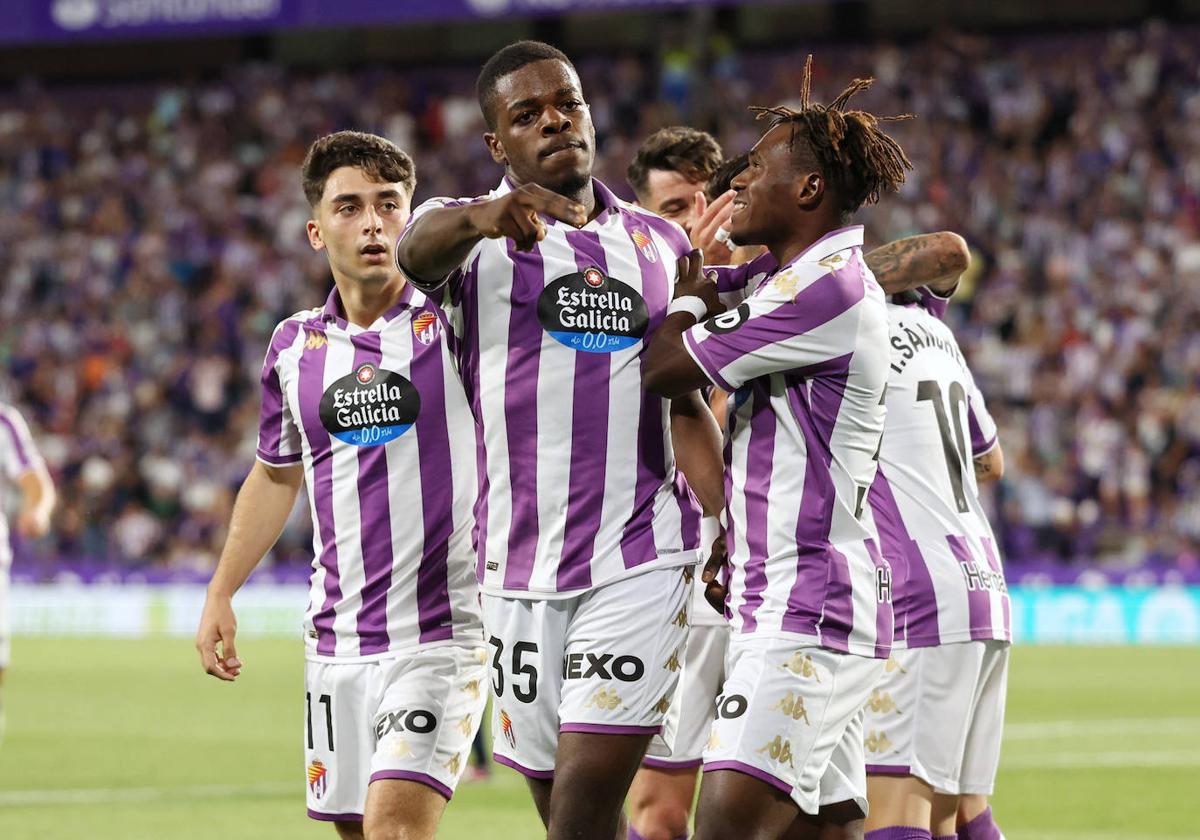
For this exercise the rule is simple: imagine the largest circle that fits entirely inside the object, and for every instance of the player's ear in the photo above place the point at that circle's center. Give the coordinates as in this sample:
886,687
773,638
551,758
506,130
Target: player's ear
810,189
314,235
495,147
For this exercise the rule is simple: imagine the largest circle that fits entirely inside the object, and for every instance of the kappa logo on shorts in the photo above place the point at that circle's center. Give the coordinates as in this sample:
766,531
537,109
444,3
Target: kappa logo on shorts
714,742
892,666
779,750
801,664
506,728
465,726
877,742
606,699
472,689
318,778
398,747
663,705
793,706
454,765
623,668
881,702
672,664
681,620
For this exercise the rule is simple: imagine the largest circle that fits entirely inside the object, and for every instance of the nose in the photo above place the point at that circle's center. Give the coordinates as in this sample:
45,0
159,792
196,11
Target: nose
556,122
739,181
371,220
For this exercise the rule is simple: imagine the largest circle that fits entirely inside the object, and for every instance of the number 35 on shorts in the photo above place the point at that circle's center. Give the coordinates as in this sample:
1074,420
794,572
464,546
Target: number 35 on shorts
523,675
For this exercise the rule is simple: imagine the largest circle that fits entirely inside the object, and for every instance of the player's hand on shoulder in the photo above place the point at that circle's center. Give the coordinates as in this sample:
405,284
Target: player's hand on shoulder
515,215
694,281
215,639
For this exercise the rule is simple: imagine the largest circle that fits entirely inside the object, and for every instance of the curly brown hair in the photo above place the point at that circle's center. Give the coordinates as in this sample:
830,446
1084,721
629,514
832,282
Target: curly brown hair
379,158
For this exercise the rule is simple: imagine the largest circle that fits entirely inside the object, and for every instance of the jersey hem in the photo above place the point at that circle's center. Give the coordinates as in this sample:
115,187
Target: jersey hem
278,460
951,639
465,642
685,557
867,650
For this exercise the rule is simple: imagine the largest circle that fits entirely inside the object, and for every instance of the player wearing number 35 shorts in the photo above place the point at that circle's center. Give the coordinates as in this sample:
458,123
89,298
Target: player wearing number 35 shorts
362,403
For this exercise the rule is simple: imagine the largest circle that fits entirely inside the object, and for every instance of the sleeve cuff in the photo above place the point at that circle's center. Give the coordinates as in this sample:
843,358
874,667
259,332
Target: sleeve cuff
986,447
273,460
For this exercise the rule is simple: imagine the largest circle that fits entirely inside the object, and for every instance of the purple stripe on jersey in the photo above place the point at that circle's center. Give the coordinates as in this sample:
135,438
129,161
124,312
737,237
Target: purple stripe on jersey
467,354
979,602
437,492
1006,605
589,442
817,303
837,618
884,612
520,412
311,387
817,417
270,417
914,601
637,537
979,442
18,444
760,454
375,522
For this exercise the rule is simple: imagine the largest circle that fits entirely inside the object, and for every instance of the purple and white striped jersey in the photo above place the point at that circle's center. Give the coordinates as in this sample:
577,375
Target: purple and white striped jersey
18,455
804,356
578,486
378,419
949,583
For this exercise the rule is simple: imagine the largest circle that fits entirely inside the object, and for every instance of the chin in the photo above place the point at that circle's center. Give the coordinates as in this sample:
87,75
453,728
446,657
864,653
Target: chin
569,184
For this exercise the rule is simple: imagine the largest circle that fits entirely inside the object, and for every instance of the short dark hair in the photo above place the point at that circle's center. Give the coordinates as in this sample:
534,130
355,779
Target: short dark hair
721,181
692,153
509,60
379,158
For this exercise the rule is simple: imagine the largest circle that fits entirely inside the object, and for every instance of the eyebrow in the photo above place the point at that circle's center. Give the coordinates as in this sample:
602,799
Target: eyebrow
533,100
355,197
672,204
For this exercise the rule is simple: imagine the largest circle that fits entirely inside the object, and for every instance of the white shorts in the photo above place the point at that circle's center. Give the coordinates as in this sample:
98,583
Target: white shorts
938,714
412,717
692,710
606,661
5,626
790,715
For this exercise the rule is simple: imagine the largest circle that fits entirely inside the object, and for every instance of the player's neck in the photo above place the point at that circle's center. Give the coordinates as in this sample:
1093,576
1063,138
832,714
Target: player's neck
802,237
363,303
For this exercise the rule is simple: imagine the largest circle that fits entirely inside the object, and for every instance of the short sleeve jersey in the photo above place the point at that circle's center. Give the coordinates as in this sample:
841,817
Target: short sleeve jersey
804,357
378,420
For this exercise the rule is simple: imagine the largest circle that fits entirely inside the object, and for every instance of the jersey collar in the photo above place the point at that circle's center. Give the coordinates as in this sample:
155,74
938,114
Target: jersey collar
332,311
830,244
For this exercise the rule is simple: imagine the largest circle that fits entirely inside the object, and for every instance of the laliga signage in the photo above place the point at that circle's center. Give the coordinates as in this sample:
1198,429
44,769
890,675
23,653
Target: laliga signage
85,15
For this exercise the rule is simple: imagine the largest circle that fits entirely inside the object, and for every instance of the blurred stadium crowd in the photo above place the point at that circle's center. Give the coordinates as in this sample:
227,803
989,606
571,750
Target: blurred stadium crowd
152,236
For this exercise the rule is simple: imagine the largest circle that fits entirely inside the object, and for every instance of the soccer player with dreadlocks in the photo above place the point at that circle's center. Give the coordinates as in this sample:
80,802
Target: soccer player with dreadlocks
805,357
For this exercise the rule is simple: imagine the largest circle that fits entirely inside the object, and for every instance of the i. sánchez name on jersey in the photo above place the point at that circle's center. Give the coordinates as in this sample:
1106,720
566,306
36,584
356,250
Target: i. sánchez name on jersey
804,356
949,582
378,419
578,480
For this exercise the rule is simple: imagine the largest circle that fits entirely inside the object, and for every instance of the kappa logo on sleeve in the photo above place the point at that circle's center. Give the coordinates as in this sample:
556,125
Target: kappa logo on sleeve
592,312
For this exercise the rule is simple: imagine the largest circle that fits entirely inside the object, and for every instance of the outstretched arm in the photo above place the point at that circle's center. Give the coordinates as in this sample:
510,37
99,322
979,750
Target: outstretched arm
442,238
935,260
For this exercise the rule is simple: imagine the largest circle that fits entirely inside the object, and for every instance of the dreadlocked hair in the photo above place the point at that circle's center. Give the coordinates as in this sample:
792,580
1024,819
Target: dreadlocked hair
849,146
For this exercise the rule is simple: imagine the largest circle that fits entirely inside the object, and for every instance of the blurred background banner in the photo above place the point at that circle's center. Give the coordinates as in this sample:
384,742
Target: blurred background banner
58,20
1095,615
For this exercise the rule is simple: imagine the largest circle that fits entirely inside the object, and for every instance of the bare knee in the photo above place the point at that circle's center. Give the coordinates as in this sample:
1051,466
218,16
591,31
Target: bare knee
970,806
402,810
660,802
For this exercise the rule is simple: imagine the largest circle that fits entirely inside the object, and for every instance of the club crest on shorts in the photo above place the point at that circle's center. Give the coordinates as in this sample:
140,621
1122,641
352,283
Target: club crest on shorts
318,778
506,728
645,245
425,327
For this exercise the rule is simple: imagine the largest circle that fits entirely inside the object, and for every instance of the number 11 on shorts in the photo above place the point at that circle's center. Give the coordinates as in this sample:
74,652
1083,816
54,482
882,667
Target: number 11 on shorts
326,701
